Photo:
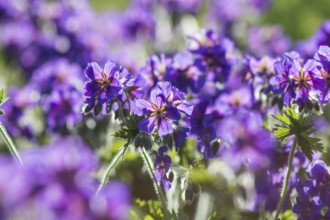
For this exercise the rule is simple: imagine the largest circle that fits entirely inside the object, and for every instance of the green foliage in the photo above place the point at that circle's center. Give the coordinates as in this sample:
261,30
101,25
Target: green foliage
143,140
2,100
291,123
288,215
147,210
2,94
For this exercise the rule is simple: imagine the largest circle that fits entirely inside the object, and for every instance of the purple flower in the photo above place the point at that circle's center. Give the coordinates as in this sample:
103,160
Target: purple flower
102,85
313,193
281,82
15,108
233,101
304,80
158,114
155,69
267,40
132,86
248,144
162,165
166,104
138,21
113,202
186,72
63,108
323,56
203,126
173,97
56,73
215,53
56,183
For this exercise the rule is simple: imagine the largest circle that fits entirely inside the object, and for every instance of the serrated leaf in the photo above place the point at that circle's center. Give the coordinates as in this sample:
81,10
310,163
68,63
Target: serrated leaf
282,118
316,144
310,144
281,133
305,147
123,133
292,113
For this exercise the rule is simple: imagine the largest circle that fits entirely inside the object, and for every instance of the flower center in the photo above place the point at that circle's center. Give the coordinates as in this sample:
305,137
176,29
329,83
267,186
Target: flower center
158,112
302,80
104,82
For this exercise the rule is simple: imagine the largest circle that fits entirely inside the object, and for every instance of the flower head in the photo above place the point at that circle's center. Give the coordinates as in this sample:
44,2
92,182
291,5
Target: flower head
323,57
166,103
304,80
313,201
102,85
162,165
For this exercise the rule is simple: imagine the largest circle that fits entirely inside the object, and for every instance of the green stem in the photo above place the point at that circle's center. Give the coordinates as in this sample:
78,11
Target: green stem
286,181
10,144
106,175
158,190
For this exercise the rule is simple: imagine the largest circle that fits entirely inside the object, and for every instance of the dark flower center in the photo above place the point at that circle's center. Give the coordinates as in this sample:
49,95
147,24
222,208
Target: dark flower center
302,80
104,82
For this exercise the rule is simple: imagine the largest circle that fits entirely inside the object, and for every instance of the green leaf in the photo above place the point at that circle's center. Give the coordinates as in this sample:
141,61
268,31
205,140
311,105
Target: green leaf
168,140
305,147
281,133
283,119
2,95
143,140
86,109
122,133
301,126
310,144
97,109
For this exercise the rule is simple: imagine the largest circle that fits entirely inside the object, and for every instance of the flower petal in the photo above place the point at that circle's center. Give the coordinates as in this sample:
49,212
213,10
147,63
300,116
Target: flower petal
110,69
89,72
97,70
147,124
172,113
164,127
142,107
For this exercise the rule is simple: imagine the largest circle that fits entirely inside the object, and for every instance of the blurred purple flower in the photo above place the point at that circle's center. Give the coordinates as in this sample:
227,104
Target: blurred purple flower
215,53
313,193
56,183
63,108
323,56
162,165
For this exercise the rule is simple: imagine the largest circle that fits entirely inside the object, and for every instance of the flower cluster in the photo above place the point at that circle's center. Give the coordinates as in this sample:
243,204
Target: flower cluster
299,82
312,201
55,183
220,113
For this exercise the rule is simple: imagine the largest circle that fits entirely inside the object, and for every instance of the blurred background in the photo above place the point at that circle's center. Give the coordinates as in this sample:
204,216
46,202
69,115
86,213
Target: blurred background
299,20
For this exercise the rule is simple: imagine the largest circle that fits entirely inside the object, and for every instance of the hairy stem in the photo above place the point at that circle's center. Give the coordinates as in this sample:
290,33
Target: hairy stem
286,180
10,144
158,190
106,175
